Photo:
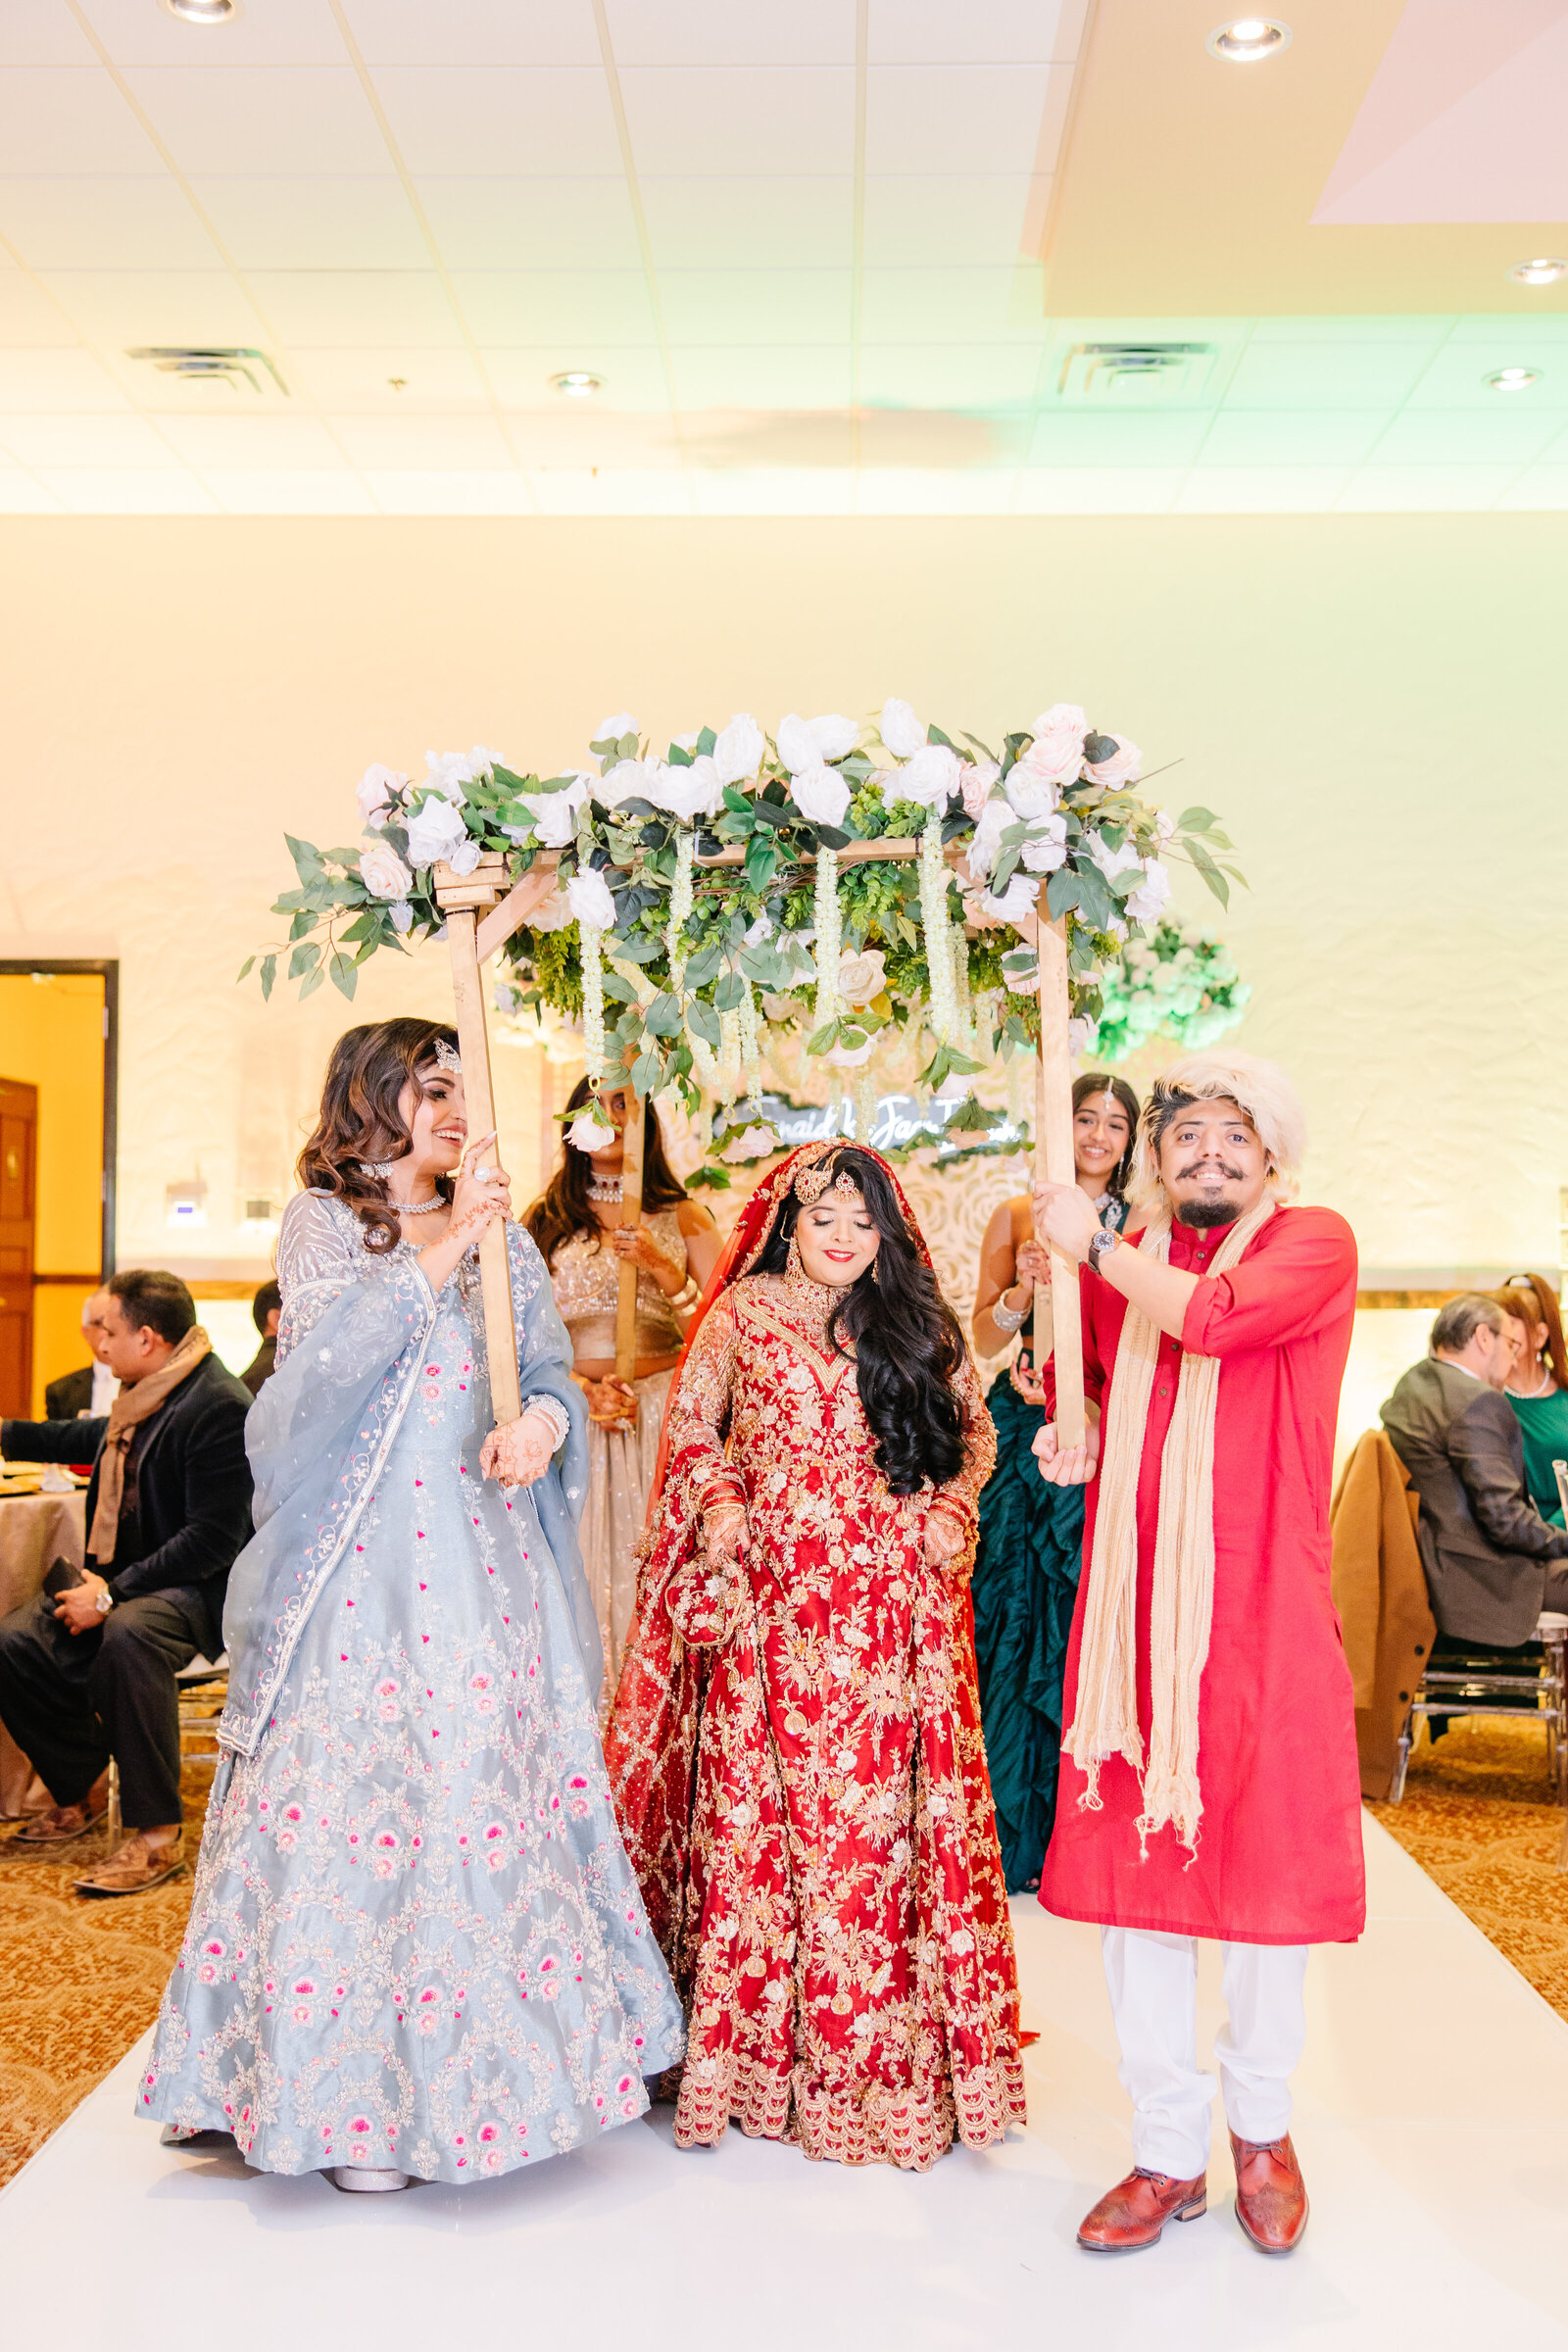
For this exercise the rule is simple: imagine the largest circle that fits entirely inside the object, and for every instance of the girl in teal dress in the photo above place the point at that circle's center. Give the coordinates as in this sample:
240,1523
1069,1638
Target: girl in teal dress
1031,1534
1538,1388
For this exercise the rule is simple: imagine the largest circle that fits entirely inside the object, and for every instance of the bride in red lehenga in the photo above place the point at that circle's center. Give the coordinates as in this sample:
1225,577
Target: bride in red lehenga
795,1749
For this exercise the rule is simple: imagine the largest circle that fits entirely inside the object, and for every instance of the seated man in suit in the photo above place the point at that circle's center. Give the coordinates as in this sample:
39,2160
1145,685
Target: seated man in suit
91,1391
1493,1563
90,1673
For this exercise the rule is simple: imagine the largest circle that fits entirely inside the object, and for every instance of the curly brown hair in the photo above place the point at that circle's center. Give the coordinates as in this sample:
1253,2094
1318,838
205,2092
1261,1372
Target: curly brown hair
564,1207
360,1120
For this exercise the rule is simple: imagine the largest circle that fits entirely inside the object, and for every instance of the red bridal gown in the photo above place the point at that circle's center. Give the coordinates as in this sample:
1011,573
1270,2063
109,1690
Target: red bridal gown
1279,1847
798,1765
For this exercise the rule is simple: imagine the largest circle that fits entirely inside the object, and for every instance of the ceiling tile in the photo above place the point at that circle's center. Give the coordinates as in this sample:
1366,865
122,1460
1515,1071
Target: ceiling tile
775,490
1098,490
275,122
1412,326
728,121
479,32
923,222
756,306
32,381
120,307
247,440
942,119
407,491
27,312
527,307
436,382
932,490
1262,489
622,492
578,434
1457,378
751,224
718,32
40,32
1542,489
1544,331
949,375
104,225
1071,437
1330,375
22,494
427,444
317,490
751,440
1511,433
137,490
1413,489
525,121
952,306
348,306
532,223
267,32
633,376
1281,438
982,31
763,376
59,439
944,440
308,224
56,120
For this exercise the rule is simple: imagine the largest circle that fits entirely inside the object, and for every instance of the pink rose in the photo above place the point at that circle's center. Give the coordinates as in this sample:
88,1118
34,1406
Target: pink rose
976,780
1122,768
1057,748
376,791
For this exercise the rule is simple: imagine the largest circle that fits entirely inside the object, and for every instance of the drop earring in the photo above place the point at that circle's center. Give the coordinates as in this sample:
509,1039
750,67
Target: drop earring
792,1263
381,1168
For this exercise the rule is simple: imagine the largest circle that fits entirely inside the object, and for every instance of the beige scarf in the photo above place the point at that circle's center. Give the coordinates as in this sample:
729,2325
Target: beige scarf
1106,1714
133,1406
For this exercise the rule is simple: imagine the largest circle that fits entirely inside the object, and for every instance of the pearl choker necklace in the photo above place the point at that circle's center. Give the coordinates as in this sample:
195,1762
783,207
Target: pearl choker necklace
604,1190
420,1208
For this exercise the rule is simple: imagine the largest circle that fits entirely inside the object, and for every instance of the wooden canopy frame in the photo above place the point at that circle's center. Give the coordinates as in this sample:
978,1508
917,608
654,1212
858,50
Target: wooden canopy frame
471,942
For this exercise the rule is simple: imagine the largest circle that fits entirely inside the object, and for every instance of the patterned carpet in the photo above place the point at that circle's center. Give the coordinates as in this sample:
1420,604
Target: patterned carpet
80,1980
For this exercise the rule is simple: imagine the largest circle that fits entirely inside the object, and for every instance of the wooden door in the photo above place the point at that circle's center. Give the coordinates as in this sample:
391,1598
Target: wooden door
18,1136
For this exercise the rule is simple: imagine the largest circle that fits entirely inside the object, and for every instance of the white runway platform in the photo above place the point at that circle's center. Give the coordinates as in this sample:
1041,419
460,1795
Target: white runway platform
1432,2122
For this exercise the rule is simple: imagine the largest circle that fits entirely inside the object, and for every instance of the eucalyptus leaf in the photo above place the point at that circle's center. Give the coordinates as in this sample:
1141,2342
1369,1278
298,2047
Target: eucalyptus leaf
345,979
638,947
705,741
648,1072
245,970
305,959
702,1022
621,990
314,982
664,1016
729,992
1063,892
826,1037
269,974
701,967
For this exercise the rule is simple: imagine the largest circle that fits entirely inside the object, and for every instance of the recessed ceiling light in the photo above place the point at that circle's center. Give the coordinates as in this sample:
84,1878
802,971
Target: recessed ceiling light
1245,39
1513,380
1544,270
203,12
578,383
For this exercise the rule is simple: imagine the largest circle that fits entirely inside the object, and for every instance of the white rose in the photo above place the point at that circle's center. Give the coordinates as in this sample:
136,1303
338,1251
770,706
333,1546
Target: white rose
449,771
901,730
1123,766
1020,899
806,742
833,734
1057,748
974,783
779,1008
1046,847
851,1057
628,780
821,794
402,916
738,753
1112,862
376,792
754,1143
588,894
554,814
862,977
1082,1035
684,743
590,1130
1164,824
1030,793
687,792
437,831
611,731
383,872
1145,903
985,843
553,910
933,777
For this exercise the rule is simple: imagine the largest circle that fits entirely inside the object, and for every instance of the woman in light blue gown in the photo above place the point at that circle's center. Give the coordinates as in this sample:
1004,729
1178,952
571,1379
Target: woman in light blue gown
415,1946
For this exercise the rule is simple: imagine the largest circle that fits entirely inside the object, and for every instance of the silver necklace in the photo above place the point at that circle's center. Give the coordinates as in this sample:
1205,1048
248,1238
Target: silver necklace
1525,1395
420,1208
604,1190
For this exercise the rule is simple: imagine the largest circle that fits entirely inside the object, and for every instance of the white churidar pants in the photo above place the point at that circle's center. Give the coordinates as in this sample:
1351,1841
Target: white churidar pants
1153,1982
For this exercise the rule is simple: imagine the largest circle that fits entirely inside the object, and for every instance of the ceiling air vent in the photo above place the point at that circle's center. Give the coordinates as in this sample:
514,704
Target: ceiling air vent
1136,373
212,363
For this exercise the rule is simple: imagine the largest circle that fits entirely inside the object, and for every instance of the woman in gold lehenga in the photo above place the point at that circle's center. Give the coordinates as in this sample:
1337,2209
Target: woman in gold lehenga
576,1224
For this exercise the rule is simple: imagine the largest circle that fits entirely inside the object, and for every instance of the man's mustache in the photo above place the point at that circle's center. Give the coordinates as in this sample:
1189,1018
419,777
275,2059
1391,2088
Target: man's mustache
1206,1166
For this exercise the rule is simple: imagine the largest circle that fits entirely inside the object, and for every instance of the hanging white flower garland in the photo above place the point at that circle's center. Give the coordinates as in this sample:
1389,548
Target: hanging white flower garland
945,1025
593,1002
829,941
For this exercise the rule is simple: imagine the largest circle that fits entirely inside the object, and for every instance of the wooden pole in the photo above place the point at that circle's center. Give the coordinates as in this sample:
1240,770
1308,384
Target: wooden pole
1055,1164
461,896
632,1214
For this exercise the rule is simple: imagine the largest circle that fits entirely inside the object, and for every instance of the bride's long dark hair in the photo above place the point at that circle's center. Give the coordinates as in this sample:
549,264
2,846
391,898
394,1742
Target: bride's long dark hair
908,1344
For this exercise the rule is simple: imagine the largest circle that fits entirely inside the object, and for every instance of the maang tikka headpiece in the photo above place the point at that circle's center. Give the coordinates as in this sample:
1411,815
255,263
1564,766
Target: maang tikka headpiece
447,1057
812,1182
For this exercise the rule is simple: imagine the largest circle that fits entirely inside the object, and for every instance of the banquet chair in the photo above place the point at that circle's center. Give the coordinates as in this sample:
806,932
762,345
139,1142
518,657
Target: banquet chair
203,1696
1469,1677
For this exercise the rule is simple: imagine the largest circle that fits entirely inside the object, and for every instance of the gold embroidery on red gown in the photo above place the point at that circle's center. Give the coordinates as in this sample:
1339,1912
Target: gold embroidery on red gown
797,1761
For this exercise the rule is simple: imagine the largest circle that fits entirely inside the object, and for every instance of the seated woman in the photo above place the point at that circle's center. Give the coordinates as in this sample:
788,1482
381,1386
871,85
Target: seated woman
1537,1387
576,1226
795,1748
1031,1534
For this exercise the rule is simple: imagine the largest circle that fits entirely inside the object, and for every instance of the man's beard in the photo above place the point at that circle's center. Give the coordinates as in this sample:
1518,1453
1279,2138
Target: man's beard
1201,1215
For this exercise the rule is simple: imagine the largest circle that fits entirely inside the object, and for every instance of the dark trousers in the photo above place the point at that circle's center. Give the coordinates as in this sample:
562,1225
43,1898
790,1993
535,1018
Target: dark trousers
72,1700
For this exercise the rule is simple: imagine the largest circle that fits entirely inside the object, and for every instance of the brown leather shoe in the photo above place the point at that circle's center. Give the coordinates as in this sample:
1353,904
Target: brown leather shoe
1135,2212
144,1860
1270,2193
62,1825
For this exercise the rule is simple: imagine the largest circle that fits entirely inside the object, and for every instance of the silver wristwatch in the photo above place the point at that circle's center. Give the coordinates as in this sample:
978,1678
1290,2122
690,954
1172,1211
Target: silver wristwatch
103,1601
1101,1248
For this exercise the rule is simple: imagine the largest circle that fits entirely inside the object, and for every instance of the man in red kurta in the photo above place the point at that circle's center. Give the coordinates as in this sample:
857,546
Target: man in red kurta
1209,1785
